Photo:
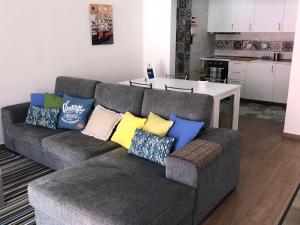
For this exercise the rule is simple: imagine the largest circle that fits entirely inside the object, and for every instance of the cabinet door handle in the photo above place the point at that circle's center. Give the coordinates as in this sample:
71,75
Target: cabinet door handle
250,27
279,26
237,72
273,69
232,26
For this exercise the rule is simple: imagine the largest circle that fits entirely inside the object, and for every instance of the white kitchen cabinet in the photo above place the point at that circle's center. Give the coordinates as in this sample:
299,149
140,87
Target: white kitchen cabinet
221,16
260,81
290,16
268,15
281,83
237,75
237,66
244,15
252,15
238,82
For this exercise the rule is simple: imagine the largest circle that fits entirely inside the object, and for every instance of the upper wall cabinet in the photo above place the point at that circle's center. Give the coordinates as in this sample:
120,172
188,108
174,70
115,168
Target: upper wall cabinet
252,15
268,15
244,15
221,16
290,16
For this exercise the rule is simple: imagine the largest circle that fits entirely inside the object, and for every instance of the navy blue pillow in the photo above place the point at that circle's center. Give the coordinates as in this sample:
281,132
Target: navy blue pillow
37,99
75,113
184,131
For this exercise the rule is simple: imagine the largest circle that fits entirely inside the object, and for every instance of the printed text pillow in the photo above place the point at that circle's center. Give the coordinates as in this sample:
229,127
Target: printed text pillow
75,113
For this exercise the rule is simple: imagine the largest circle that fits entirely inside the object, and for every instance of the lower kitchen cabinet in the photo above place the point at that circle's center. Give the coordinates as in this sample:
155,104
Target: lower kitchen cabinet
260,81
281,83
238,82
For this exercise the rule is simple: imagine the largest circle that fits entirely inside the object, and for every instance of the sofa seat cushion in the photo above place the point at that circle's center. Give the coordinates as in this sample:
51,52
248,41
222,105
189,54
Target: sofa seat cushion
115,188
31,134
74,147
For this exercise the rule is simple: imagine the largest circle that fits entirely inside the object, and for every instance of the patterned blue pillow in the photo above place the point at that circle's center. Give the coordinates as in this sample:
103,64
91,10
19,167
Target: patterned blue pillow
151,147
42,117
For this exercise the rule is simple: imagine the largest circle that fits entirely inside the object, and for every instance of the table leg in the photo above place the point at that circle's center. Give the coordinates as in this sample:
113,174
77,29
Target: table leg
215,120
236,110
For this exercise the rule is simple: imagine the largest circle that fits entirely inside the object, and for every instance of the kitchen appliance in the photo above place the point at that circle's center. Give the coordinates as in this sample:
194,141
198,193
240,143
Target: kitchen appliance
277,56
217,69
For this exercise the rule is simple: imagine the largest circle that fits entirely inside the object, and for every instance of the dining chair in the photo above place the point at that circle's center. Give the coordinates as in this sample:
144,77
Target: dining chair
188,90
136,84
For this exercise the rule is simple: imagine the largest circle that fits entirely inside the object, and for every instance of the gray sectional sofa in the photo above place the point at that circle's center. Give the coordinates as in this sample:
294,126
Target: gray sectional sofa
100,183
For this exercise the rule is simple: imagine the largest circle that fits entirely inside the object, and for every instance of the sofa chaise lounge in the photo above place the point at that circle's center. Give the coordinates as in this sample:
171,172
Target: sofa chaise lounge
98,182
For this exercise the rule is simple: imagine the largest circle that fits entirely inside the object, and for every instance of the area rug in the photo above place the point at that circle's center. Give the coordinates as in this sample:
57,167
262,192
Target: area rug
18,172
258,110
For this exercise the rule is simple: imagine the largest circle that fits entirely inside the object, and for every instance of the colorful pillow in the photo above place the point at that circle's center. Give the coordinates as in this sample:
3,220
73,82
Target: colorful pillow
102,123
75,113
157,125
53,101
126,129
42,117
184,131
151,147
37,99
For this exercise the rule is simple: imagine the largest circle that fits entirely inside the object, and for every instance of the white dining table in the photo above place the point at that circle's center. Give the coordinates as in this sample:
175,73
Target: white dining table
218,91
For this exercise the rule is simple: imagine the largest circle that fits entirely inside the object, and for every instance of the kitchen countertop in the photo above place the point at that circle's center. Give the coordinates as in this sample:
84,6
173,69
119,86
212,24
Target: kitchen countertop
282,61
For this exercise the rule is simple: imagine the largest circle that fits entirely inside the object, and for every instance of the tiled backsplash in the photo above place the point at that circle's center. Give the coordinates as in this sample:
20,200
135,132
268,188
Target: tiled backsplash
254,44
183,36
240,45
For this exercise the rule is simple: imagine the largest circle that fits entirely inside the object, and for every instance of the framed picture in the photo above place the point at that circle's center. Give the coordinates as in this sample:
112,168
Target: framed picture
101,19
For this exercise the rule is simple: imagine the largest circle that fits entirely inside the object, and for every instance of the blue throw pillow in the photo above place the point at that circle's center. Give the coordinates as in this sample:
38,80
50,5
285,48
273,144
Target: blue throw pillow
184,131
42,117
37,99
151,147
75,113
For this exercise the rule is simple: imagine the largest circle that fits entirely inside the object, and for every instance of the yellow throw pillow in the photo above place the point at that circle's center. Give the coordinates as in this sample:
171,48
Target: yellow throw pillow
126,129
157,125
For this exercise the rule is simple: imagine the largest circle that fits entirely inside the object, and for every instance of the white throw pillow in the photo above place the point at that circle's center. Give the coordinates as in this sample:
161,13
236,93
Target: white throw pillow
102,123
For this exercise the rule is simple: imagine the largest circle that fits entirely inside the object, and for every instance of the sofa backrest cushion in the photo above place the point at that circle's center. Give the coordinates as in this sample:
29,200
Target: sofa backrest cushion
189,106
120,98
76,87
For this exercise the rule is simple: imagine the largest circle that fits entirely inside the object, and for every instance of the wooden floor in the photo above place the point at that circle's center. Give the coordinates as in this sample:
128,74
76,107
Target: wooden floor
270,175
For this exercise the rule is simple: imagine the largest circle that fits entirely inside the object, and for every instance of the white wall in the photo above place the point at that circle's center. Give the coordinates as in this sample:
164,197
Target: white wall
292,122
160,35
203,43
41,39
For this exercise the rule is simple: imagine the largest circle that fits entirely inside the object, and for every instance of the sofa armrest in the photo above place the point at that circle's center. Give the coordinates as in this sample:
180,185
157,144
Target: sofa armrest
224,137
217,178
12,115
184,165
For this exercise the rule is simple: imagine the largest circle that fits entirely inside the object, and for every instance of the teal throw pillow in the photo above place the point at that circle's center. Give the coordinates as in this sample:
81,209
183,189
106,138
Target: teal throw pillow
42,117
151,147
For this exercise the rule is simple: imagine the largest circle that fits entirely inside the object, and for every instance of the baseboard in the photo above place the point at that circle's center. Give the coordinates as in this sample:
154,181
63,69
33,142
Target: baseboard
292,136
